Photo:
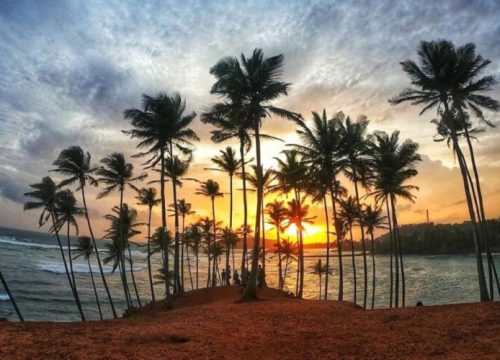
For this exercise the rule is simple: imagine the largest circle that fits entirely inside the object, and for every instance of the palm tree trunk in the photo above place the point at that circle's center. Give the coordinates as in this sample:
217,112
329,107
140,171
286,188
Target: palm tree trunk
12,300
339,241
168,299
263,237
132,274
327,222
391,266
95,289
75,289
189,267
251,288
280,270
399,251
214,237
72,287
363,244
149,257
245,215
126,289
353,266
177,282
97,253
182,250
319,295
373,269
197,267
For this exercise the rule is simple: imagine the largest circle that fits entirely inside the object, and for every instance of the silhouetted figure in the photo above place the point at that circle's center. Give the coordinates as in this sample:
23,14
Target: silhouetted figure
236,276
261,277
223,277
420,303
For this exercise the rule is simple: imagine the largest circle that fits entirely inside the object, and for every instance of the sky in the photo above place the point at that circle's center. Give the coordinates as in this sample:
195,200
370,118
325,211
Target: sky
68,69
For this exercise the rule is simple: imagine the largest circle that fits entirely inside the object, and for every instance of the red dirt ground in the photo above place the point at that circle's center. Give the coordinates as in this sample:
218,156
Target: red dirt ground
208,324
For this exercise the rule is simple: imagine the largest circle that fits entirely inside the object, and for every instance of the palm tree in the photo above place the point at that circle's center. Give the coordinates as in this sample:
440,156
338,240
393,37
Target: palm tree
229,238
115,174
183,209
320,270
45,194
11,297
372,218
297,214
440,79
393,164
289,253
349,214
210,188
215,251
230,124
353,147
320,146
147,197
74,163
193,240
228,162
86,249
251,85
66,213
159,127
157,243
276,212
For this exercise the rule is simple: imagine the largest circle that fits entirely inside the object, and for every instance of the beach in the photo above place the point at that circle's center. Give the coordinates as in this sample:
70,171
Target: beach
209,324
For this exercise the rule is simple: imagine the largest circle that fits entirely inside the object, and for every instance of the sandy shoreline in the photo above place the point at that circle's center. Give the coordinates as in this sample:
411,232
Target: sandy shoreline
208,324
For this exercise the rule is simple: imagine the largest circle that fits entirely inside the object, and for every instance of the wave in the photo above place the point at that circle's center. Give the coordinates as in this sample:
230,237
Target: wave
4,297
58,268
12,241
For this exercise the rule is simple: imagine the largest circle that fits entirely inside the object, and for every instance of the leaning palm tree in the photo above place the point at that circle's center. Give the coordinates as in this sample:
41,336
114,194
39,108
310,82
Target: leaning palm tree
320,270
439,80
349,214
74,163
116,173
353,146
45,194
11,297
210,188
66,213
393,164
160,127
372,218
276,213
320,147
230,124
251,85
86,250
147,197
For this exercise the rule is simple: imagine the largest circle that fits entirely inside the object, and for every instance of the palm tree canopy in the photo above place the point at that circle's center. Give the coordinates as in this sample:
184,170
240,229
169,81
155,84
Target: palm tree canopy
372,218
157,244
116,173
147,197
319,269
277,215
228,237
348,212
297,213
84,248
176,168
209,188
44,194
227,161
183,208
74,163
267,178
161,122
66,209
290,173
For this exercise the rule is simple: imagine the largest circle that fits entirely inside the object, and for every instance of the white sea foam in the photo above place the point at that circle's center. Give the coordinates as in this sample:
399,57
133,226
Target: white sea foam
13,241
4,297
58,268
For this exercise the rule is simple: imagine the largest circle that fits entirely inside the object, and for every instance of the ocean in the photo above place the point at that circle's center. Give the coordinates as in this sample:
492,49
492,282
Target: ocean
32,266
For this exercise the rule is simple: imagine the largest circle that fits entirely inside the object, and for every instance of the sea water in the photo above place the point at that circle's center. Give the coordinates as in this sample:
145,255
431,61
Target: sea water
31,263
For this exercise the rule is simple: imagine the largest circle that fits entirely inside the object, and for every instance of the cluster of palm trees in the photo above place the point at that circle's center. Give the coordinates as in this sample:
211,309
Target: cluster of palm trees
376,166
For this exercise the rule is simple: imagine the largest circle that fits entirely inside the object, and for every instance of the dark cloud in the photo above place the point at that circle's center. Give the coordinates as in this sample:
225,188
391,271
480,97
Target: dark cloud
12,187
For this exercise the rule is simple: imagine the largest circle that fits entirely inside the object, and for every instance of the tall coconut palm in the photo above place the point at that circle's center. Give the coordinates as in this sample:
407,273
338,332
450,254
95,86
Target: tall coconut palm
66,213
210,188
160,127
320,270
353,147
228,162
438,80
147,197
276,213
252,84
45,194
184,210
372,219
85,249
74,163
11,297
297,214
320,146
289,252
115,173
231,124
193,238
349,215
393,164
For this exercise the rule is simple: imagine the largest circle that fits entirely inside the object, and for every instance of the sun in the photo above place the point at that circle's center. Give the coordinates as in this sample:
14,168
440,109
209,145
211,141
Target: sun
311,233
